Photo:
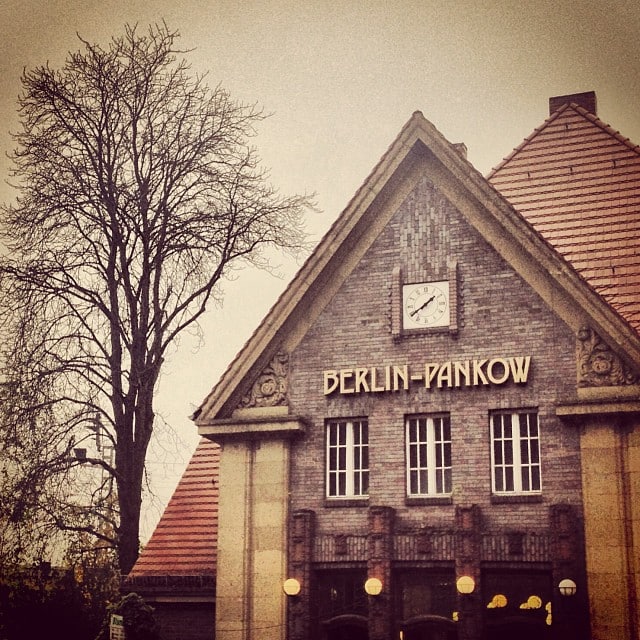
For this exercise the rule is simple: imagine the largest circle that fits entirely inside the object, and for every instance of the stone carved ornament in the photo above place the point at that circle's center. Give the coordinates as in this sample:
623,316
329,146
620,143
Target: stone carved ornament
270,387
598,365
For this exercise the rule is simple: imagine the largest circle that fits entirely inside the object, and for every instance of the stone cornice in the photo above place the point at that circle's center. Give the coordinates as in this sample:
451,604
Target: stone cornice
248,428
603,408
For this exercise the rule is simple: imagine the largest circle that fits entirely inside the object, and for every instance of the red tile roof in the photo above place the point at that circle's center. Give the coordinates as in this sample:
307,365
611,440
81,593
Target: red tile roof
184,542
577,181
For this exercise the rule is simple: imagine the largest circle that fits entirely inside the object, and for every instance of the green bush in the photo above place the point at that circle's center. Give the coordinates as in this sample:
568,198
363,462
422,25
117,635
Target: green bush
139,621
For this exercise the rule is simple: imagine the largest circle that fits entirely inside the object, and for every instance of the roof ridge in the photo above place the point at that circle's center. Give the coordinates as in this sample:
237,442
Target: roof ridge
554,116
527,139
608,128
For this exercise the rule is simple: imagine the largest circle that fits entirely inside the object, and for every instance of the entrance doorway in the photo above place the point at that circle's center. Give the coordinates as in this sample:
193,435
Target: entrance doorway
430,628
346,627
515,627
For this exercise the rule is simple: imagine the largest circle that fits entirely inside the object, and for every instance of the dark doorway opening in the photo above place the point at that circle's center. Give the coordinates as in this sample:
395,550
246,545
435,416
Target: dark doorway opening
347,627
430,628
519,628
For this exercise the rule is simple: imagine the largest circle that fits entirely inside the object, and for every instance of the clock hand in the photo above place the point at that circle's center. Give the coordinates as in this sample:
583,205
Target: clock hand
422,306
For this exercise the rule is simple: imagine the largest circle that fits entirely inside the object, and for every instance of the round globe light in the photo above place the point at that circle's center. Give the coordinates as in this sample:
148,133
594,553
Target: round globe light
291,587
465,585
567,587
373,586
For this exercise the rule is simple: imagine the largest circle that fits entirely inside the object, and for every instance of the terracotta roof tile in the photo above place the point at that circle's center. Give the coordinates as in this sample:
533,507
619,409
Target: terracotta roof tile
577,181
184,542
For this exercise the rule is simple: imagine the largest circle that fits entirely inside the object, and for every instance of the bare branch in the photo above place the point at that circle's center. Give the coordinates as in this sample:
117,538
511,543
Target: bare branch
139,191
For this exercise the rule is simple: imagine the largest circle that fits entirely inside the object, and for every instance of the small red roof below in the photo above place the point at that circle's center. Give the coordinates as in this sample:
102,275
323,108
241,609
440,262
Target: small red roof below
577,181
184,542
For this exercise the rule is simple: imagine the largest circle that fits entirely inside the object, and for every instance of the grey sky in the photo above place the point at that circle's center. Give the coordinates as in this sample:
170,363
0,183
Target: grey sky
341,79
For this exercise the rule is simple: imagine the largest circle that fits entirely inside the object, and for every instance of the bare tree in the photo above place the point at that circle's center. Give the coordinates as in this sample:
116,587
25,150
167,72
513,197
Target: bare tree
138,191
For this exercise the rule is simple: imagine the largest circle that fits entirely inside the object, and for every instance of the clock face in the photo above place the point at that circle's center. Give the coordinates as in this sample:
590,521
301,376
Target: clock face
425,304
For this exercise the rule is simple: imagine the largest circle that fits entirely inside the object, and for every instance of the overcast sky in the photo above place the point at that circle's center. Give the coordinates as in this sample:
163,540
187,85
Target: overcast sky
341,79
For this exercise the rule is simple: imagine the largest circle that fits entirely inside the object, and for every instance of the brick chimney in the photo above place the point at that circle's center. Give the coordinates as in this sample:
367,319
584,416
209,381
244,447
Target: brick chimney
586,100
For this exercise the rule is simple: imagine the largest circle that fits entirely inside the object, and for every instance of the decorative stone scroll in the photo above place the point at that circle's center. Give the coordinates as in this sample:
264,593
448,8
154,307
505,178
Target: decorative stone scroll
270,388
598,365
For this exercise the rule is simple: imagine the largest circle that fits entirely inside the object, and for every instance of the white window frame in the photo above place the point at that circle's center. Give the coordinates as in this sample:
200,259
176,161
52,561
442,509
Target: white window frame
517,469
428,455
347,452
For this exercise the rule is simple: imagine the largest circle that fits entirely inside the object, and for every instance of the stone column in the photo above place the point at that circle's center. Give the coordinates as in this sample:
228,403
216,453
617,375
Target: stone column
252,538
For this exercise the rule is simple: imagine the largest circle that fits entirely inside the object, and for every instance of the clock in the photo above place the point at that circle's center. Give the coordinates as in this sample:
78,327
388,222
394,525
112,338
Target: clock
425,305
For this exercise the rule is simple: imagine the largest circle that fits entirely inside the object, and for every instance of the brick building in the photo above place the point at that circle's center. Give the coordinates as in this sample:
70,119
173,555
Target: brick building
434,433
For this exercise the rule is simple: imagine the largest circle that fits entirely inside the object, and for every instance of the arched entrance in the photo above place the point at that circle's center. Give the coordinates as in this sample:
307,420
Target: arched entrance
517,627
429,628
346,627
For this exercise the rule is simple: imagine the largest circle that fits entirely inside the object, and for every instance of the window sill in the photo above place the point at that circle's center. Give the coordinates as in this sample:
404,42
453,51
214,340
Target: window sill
521,498
346,502
427,501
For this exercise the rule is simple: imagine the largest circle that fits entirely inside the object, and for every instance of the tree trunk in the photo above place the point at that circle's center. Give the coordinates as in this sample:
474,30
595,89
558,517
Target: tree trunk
130,502
131,465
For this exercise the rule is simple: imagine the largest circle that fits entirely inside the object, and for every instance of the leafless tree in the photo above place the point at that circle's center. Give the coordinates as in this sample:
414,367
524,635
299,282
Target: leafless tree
137,192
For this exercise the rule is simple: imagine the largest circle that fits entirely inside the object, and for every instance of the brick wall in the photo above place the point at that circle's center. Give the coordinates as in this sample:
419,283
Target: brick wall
499,316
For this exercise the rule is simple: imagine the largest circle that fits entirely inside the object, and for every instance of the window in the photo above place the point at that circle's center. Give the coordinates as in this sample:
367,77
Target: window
428,455
515,448
347,458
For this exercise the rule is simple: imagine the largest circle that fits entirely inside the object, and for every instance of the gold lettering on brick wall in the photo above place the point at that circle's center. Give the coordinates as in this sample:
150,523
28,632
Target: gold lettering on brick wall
432,375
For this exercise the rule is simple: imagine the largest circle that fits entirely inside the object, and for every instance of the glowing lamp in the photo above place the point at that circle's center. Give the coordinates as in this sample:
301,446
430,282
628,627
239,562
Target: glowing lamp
291,587
373,587
567,587
465,585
